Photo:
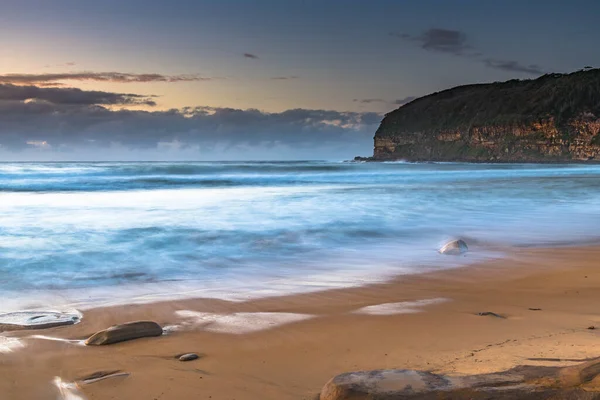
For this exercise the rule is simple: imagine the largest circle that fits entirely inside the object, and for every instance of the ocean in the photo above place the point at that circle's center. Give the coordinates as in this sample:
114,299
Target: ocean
89,234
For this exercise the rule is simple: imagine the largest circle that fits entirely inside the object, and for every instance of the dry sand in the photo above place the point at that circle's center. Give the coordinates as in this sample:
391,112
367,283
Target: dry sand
288,347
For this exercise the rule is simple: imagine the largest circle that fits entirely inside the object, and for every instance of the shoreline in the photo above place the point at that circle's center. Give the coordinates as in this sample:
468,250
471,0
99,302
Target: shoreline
268,286
298,342
149,293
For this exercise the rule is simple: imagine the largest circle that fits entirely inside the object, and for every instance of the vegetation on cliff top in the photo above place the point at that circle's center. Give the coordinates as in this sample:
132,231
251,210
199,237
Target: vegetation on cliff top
558,96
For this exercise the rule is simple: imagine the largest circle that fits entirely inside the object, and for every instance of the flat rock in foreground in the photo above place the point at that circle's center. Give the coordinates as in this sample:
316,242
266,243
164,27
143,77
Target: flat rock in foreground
523,382
123,332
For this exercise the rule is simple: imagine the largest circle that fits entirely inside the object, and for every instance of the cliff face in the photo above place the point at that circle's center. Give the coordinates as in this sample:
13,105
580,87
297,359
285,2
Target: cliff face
555,118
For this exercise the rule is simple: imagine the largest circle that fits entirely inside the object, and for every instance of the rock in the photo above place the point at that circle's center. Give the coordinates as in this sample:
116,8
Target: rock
36,320
490,314
591,327
188,357
535,309
472,123
522,382
101,375
455,248
123,332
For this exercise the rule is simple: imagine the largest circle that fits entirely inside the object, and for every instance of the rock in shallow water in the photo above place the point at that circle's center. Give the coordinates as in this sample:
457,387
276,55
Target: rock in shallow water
523,382
454,248
36,320
123,332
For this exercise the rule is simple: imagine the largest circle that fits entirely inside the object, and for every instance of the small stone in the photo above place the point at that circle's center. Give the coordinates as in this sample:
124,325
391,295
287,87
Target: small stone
188,357
535,309
454,248
592,327
123,332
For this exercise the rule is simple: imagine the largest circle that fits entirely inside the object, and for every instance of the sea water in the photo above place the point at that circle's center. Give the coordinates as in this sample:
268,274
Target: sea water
87,234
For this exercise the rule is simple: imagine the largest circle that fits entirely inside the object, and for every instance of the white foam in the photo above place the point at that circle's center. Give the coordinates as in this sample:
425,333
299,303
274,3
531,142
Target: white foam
234,290
68,390
405,307
238,323
55,339
10,344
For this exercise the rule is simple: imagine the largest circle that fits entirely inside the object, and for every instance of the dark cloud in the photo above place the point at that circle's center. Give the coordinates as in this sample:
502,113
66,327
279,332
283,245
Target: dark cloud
455,42
514,66
204,132
114,77
71,96
442,40
284,78
250,55
405,100
368,101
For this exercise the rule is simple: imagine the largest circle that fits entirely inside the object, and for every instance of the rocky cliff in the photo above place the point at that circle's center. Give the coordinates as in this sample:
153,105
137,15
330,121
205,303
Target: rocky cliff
555,118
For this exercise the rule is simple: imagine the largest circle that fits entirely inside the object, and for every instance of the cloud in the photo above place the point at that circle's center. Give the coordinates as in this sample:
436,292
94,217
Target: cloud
72,130
441,40
513,66
113,77
72,96
405,100
455,42
67,64
284,78
250,55
38,143
368,101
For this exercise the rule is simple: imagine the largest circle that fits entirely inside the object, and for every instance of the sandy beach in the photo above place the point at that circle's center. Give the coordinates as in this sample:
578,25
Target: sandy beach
294,200
289,347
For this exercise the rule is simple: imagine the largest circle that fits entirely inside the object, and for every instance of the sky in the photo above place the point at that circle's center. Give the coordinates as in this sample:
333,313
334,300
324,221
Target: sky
261,79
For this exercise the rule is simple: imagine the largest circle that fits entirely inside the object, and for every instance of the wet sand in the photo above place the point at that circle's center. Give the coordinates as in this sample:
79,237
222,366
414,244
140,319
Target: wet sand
548,298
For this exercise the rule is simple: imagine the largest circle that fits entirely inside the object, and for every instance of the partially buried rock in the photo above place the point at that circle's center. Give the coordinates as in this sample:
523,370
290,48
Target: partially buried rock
490,314
37,320
123,332
454,248
522,382
188,357
101,375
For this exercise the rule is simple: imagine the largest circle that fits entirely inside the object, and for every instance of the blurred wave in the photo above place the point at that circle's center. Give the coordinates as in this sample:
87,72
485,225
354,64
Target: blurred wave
66,226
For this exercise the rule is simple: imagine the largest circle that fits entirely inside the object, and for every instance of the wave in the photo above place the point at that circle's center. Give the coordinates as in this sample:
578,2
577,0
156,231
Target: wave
137,176
120,226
